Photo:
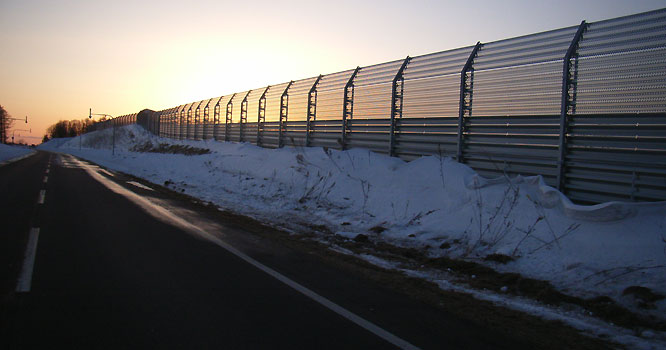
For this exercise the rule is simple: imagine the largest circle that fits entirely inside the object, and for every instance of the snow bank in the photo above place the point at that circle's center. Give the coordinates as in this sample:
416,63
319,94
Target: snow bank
8,153
432,203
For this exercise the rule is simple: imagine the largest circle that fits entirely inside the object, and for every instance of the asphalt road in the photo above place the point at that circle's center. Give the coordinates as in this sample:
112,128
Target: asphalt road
111,273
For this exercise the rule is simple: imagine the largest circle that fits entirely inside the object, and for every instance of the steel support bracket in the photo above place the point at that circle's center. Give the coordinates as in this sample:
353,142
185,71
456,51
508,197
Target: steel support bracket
396,104
466,90
261,115
284,111
347,108
569,84
228,119
312,110
243,116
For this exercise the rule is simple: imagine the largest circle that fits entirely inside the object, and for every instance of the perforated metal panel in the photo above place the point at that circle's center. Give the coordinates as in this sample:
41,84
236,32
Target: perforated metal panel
330,94
429,122
622,65
371,114
249,128
220,122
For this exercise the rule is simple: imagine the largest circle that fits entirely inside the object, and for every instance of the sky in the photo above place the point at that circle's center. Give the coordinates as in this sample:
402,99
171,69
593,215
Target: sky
60,58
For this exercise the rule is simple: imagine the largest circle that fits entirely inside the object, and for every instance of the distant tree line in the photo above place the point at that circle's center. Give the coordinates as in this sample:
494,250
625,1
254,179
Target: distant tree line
69,128
5,124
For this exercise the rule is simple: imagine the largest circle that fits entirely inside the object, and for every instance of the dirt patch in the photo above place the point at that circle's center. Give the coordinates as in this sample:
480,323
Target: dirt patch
482,277
167,148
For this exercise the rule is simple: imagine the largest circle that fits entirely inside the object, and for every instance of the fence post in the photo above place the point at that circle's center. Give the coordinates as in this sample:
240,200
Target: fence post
396,104
569,85
227,121
347,108
189,122
261,115
206,120
216,118
182,121
466,90
312,110
284,109
243,116
197,120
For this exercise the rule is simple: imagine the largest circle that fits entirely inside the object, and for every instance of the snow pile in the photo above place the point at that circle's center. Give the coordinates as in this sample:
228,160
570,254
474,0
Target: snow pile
432,203
9,153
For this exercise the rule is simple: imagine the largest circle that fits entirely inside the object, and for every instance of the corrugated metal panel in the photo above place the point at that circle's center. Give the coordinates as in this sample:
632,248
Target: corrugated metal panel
622,65
617,157
326,133
294,133
526,145
269,134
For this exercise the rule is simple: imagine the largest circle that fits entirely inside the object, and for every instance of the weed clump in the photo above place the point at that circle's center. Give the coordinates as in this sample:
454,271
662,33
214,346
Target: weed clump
148,147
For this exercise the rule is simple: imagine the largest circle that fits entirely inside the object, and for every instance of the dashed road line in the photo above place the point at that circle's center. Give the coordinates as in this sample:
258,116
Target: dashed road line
25,278
47,170
46,179
42,195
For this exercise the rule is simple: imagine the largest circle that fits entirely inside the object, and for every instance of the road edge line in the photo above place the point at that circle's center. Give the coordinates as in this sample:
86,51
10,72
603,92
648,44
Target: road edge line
24,283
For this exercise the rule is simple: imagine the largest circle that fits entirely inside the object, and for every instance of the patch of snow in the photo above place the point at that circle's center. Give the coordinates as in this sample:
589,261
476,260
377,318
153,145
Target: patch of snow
9,153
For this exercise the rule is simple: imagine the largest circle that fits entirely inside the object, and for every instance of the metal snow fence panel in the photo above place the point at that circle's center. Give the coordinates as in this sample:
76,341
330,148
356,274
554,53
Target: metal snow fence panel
179,124
429,122
185,120
198,119
239,113
248,121
330,96
298,99
512,126
369,119
326,121
175,122
295,127
208,118
223,111
276,101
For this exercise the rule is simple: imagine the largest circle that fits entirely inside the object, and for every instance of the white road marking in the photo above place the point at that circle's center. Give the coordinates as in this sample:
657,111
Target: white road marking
163,214
25,278
47,170
46,179
134,183
42,195
106,172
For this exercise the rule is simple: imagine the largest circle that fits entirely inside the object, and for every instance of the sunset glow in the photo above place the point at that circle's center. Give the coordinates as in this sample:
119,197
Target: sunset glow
61,58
